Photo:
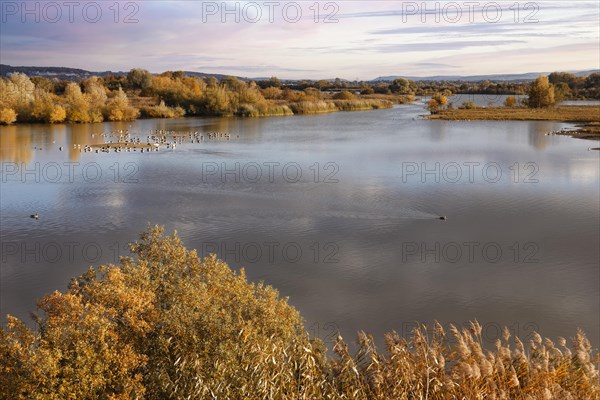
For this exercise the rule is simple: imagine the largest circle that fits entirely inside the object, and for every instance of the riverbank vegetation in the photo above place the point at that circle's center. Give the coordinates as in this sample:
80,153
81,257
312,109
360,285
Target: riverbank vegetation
165,324
173,94
168,95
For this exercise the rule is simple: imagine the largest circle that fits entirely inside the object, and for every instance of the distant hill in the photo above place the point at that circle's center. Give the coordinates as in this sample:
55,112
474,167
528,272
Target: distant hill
477,78
80,74
54,72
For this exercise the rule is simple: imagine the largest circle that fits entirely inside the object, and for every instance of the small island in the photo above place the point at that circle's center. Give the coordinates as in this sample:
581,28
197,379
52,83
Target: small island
542,104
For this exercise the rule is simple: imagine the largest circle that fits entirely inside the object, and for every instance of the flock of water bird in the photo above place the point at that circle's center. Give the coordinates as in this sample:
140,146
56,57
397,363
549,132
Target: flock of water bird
124,141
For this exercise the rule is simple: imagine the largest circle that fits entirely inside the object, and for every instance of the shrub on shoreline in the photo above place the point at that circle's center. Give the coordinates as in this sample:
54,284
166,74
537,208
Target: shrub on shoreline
7,116
162,111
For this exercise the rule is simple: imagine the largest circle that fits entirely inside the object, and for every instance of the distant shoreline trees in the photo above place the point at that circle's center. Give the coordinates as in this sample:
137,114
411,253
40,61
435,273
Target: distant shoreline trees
173,94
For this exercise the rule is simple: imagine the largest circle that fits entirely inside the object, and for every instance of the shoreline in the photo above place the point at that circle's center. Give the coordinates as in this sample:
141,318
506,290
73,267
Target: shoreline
588,131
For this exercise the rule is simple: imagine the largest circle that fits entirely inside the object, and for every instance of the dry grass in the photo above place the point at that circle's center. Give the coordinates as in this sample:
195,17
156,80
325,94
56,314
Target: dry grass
327,106
560,113
264,109
428,366
394,98
362,104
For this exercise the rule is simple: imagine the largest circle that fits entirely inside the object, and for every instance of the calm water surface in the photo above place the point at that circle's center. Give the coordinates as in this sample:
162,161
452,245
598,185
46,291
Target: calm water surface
338,211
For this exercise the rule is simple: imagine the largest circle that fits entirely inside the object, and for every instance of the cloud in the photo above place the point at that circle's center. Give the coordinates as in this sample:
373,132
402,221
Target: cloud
365,42
252,68
433,65
429,46
410,11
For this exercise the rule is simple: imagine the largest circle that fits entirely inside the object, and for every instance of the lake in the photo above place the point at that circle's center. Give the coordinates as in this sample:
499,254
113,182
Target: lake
340,212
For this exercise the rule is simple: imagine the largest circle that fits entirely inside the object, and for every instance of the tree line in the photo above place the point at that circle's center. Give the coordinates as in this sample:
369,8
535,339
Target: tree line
174,94
572,87
167,95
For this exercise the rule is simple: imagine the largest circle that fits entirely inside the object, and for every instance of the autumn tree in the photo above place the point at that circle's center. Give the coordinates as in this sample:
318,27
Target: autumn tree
593,80
24,92
563,77
162,111
118,108
592,85
139,78
344,95
78,107
250,94
96,97
273,82
17,94
313,94
232,83
541,93
7,116
162,325
381,88
402,86
217,100
510,101
44,84
561,92
272,93
185,92
46,107
436,103
212,82
365,88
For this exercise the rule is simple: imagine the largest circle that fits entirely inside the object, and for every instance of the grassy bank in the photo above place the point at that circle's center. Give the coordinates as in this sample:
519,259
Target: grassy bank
560,113
588,117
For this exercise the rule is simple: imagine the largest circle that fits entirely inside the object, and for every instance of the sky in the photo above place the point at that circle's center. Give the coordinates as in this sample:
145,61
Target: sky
304,39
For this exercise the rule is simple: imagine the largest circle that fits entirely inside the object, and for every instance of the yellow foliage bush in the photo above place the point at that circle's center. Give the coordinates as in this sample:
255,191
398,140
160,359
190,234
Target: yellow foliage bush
46,108
541,93
7,116
58,114
162,111
344,95
510,101
118,108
